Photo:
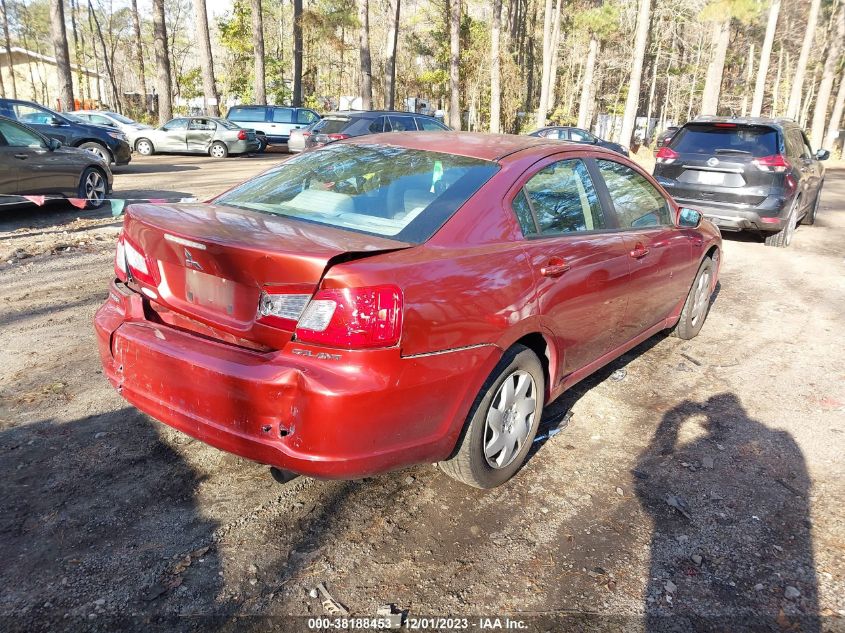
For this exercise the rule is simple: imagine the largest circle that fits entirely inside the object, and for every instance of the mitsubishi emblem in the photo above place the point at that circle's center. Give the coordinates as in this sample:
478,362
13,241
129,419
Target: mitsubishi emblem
190,261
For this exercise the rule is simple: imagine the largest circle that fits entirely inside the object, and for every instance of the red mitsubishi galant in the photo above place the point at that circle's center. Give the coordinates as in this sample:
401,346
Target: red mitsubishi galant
397,299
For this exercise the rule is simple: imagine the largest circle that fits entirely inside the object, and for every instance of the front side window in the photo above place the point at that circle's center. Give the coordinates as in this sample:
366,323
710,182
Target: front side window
563,199
392,192
17,136
636,202
430,125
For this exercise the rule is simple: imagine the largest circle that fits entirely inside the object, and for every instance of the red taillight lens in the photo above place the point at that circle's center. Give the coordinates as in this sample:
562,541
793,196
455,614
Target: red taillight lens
139,266
120,260
337,137
306,134
666,155
242,135
353,318
776,163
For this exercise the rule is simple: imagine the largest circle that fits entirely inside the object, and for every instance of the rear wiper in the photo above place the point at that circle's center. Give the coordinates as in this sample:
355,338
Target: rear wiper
728,150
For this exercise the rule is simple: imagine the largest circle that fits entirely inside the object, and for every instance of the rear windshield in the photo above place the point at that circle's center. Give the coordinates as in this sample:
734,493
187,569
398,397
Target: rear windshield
754,140
404,194
227,124
332,126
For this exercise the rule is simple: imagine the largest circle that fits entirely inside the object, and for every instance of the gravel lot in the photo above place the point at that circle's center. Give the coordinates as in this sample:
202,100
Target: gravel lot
110,520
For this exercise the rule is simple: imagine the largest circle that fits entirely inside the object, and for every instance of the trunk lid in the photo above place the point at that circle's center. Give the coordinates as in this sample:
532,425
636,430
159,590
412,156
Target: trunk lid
211,262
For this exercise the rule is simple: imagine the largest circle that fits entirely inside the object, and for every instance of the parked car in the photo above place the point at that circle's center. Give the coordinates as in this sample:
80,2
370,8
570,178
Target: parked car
129,127
340,125
305,318
665,137
745,174
32,164
578,135
296,140
272,124
197,135
110,144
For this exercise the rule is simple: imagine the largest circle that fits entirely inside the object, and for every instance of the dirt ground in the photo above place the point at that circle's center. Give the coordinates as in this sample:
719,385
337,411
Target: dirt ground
112,521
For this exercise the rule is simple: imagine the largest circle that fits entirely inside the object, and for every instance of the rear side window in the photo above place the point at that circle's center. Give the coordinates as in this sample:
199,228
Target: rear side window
402,124
176,124
252,115
377,125
392,192
563,199
282,115
332,125
636,202
726,138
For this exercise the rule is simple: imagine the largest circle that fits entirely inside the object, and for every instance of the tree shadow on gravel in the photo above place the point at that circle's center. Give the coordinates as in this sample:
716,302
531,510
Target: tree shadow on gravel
731,546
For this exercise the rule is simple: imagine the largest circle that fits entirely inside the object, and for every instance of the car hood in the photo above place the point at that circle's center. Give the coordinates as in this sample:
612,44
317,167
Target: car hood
82,156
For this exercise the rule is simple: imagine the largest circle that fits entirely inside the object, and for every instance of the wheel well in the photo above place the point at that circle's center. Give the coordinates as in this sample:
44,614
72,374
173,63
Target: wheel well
91,140
536,342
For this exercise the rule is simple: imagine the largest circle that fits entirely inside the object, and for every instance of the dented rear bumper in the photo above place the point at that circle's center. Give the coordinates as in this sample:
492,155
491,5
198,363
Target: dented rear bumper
318,412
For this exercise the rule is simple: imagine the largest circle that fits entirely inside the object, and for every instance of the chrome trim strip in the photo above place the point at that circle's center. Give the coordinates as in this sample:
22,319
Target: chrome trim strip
448,351
183,241
732,170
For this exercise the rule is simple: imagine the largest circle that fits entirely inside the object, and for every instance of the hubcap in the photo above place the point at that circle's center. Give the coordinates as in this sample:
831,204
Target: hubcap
144,147
510,419
217,151
95,187
701,297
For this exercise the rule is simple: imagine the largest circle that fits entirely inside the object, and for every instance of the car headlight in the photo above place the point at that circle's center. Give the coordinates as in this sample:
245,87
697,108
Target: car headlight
120,136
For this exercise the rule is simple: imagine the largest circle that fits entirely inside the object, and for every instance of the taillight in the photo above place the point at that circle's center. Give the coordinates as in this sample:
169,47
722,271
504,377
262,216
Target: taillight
281,310
120,260
140,267
353,318
337,137
306,134
776,163
242,135
666,155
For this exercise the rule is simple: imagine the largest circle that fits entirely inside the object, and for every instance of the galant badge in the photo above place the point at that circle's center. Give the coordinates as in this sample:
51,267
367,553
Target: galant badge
712,162
190,261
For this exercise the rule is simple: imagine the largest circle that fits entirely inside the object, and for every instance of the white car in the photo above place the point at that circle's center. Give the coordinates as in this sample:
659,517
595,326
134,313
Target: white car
131,128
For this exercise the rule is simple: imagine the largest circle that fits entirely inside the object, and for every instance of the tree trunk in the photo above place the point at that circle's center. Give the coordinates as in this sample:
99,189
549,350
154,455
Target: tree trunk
454,63
163,84
106,57
8,41
651,92
547,65
629,119
721,35
260,92
792,108
364,50
297,53
392,51
64,74
765,57
586,90
776,91
495,70
550,100
828,77
749,65
694,76
139,54
209,88
836,115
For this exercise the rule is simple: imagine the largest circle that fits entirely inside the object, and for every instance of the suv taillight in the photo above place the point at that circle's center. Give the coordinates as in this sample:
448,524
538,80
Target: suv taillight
666,155
139,266
776,163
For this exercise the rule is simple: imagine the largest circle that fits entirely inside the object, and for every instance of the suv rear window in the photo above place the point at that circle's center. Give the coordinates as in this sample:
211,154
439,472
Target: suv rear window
332,125
405,194
722,138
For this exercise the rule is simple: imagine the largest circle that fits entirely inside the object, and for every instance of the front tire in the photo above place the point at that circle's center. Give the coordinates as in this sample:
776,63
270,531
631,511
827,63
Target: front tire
98,150
502,423
92,187
144,147
697,305
218,150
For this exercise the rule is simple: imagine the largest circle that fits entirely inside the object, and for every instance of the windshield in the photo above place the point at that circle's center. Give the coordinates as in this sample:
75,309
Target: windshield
394,192
722,138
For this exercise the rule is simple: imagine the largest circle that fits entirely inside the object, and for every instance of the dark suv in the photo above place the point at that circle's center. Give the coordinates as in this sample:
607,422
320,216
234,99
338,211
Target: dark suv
745,174
107,143
340,125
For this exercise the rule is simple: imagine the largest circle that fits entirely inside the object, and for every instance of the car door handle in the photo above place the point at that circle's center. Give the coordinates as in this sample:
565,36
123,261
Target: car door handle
639,251
21,156
555,267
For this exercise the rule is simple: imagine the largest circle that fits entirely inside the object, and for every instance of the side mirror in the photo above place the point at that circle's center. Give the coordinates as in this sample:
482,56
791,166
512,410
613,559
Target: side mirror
822,154
56,122
689,218
53,144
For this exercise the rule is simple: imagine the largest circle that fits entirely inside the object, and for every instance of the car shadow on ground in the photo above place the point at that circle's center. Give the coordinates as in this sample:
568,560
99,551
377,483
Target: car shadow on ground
152,168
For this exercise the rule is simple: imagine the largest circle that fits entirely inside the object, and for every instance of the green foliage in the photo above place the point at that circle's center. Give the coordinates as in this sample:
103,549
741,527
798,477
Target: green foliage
746,11
601,21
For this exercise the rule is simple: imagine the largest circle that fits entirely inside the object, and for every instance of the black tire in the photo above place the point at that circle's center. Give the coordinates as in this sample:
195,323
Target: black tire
783,238
469,464
92,187
145,147
262,144
218,150
697,305
98,149
810,218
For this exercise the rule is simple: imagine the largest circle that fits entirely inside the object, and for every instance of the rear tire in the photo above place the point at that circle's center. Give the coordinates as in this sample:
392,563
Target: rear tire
783,238
144,147
810,218
92,187
218,150
697,305
262,144
502,423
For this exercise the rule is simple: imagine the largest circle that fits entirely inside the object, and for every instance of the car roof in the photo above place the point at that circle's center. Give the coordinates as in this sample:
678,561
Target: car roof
493,147
744,120
376,113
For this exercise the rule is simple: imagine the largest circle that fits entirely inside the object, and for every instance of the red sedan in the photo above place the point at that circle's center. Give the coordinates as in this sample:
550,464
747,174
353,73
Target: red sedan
398,299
